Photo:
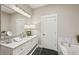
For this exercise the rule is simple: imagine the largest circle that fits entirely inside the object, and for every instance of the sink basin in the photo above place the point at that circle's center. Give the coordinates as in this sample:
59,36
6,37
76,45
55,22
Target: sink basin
17,39
9,41
6,42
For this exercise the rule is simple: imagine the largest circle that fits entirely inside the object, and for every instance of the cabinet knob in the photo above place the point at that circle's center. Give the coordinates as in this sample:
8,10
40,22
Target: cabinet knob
31,40
21,49
44,34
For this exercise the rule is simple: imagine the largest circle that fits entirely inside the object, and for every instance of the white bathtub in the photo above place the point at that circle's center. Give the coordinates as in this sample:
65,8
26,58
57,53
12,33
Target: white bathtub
73,50
69,49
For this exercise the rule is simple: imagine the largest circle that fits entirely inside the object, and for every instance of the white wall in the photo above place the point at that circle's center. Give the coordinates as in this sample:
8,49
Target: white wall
68,18
5,21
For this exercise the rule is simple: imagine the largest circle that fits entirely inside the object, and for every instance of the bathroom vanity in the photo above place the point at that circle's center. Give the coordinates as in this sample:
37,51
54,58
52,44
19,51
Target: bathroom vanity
24,47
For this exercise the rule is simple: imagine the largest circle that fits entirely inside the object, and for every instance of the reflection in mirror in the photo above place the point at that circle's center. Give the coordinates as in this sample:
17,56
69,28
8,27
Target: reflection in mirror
12,22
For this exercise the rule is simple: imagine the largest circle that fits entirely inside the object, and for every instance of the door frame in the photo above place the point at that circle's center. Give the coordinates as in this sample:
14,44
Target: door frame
56,27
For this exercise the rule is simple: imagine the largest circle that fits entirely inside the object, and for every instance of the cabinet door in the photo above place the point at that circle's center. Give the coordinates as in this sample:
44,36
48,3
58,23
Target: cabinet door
6,51
34,41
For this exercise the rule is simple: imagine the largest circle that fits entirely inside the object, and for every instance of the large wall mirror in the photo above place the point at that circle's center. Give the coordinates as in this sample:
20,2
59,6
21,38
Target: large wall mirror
12,21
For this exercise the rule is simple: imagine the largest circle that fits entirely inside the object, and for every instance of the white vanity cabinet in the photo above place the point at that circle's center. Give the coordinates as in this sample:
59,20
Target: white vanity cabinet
23,49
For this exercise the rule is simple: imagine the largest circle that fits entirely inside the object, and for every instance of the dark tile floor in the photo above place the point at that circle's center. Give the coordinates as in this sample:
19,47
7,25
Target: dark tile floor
44,51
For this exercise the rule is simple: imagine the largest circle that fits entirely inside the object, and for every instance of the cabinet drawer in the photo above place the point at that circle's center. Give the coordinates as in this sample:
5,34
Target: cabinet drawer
22,48
30,45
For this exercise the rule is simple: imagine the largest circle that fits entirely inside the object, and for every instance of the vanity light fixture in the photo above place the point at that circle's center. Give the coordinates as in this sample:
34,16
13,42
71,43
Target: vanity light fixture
19,10
26,26
32,26
29,26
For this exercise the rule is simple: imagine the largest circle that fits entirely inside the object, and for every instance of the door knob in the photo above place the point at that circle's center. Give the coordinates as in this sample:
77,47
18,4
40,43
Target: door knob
43,34
55,32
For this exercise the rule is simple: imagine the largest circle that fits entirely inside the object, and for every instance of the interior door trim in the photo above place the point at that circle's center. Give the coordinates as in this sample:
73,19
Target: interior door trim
56,26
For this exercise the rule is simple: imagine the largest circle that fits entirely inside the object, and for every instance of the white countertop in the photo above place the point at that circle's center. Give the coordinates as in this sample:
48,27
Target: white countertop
16,44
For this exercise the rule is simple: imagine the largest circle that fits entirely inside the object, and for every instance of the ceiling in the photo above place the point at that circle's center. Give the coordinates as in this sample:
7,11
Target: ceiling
36,5
7,10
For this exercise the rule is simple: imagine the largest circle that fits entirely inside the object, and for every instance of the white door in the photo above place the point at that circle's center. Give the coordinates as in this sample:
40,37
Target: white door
49,32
